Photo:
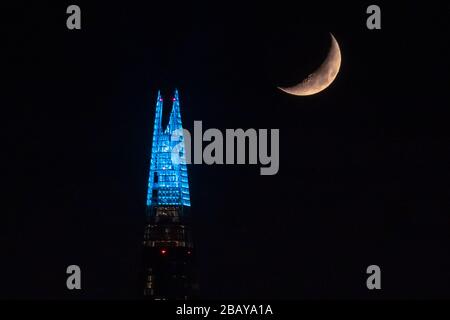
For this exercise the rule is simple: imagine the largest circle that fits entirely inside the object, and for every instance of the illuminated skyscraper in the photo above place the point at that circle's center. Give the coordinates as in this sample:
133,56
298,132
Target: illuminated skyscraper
168,247
168,180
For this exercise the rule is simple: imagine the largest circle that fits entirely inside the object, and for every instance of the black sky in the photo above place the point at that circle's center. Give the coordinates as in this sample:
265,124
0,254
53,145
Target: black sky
363,174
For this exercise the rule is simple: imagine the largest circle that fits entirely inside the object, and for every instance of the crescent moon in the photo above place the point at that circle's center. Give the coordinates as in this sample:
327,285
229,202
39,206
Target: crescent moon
321,78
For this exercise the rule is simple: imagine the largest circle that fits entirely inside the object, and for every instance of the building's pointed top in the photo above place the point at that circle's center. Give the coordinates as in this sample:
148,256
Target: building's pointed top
158,115
175,117
168,180
159,96
175,96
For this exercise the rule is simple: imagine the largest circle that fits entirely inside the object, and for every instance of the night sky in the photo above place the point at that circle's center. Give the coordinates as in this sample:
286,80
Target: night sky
364,165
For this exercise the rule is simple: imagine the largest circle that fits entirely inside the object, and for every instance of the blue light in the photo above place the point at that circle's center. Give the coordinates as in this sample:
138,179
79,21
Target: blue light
168,180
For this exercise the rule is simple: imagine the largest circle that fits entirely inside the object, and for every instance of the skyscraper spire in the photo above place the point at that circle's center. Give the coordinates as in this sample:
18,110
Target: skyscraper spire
175,115
158,115
157,130
168,179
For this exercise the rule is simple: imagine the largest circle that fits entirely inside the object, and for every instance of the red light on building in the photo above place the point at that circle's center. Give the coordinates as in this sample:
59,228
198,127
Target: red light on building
189,252
163,251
